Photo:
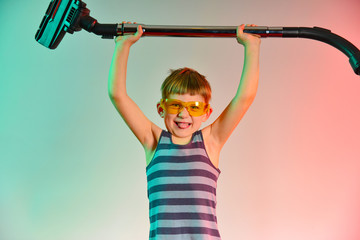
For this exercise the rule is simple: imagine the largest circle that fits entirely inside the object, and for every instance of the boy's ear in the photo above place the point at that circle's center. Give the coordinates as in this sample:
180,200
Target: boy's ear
207,114
160,110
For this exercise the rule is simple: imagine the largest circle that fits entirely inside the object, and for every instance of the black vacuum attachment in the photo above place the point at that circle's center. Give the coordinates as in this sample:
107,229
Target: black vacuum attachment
64,16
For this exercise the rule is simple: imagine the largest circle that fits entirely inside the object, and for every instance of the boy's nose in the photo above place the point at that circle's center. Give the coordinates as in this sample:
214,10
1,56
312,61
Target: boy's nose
183,112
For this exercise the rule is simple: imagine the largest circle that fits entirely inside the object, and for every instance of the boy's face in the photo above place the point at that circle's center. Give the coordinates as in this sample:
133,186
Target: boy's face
183,125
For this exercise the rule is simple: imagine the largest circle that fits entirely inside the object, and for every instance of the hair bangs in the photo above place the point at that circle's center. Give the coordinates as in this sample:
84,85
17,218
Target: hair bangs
186,81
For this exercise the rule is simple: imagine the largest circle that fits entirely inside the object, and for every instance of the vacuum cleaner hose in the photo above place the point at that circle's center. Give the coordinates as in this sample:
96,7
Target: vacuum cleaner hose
69,16
326,36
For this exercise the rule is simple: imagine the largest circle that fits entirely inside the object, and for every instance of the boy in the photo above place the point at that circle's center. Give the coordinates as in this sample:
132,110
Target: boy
182,162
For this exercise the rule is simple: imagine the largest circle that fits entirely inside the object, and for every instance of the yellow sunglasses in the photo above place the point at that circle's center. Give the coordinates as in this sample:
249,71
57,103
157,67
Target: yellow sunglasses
174,106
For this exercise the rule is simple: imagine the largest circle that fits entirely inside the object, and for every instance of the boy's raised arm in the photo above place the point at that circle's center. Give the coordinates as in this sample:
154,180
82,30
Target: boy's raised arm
139,124
225,124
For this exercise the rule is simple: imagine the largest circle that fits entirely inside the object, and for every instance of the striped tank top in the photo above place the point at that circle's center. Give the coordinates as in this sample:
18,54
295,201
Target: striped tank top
182,191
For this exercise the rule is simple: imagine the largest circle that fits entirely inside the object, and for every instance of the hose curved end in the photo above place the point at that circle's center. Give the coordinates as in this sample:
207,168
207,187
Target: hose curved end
355,62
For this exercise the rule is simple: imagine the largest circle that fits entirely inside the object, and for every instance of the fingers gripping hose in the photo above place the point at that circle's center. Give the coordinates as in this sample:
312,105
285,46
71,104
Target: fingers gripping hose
64,16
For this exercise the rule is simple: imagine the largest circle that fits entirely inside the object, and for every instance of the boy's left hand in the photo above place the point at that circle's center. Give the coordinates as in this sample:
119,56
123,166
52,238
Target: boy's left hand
247,39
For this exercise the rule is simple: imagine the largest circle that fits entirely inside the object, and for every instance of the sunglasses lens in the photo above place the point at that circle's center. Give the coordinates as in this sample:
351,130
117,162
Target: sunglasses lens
196,108
175,106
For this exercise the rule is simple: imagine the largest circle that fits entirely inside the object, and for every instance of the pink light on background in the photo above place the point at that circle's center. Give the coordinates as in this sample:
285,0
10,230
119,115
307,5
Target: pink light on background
295,156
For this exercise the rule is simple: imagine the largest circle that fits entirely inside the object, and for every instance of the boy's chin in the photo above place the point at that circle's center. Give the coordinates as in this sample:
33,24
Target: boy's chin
183,133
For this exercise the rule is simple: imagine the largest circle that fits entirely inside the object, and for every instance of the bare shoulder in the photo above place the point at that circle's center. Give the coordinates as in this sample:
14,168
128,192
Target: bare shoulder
152,137
211,145
151,142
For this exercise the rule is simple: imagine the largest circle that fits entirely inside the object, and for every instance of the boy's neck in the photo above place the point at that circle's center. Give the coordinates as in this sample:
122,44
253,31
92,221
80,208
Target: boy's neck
181,141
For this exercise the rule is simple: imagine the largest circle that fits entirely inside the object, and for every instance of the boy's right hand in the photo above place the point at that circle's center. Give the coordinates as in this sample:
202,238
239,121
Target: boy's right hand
246,39
129,39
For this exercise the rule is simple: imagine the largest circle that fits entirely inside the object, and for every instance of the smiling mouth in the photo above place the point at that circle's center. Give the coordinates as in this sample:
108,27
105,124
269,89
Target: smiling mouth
182,125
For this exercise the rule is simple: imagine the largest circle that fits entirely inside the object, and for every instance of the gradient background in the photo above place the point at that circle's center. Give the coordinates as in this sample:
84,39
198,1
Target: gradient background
70,168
